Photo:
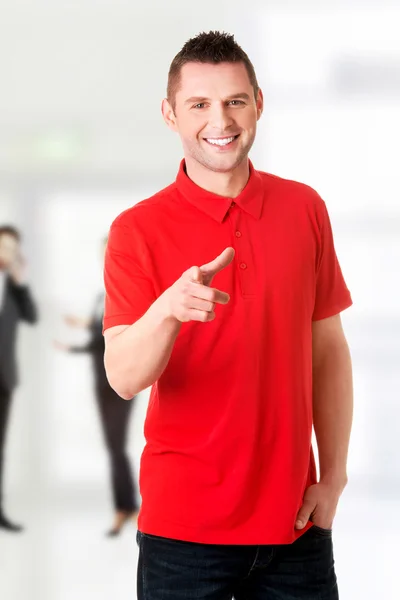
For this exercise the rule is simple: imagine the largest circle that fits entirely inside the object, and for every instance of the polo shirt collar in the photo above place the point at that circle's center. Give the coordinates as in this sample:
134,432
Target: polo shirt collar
250,198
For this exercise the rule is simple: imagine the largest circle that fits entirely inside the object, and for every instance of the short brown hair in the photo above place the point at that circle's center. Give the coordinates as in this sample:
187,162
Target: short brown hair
213,47
10,230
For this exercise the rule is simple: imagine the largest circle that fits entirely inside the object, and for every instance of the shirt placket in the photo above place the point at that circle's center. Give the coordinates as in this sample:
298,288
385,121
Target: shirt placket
242,248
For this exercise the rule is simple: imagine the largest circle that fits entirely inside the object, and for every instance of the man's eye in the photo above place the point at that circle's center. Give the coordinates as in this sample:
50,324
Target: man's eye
236,102
200,105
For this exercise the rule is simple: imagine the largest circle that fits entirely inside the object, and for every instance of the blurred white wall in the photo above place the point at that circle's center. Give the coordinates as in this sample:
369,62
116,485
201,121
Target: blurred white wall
81,138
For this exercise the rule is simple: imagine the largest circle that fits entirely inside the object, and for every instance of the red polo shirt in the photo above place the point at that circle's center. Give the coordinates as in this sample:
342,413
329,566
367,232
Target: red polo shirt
228,429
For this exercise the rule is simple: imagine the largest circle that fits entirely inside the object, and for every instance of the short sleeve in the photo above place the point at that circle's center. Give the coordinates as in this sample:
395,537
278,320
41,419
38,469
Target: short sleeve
331,293
129,291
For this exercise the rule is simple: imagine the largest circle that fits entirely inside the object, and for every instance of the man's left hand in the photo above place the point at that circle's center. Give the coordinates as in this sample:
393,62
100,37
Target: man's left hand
319,505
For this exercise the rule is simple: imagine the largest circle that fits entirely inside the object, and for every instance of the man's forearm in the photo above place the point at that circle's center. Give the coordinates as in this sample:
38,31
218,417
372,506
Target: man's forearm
137,357
333,411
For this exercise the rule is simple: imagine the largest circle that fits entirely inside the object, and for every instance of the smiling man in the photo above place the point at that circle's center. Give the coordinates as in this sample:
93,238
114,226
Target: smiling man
224,292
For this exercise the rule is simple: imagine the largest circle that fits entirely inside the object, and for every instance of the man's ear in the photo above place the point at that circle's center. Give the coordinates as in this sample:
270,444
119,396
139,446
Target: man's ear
168,114
260,104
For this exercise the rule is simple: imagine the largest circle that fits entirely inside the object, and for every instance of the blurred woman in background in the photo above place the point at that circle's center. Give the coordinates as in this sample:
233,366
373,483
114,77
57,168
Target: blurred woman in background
114,415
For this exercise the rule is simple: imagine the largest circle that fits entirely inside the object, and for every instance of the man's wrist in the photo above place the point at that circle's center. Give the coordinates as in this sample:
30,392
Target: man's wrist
161,311
334,478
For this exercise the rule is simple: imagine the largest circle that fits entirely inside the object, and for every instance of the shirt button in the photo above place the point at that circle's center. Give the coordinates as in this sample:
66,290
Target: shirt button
238,234
243,266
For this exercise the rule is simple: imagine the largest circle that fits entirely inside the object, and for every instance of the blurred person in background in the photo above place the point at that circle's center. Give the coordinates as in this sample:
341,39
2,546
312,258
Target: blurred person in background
241,371
16,305
114,415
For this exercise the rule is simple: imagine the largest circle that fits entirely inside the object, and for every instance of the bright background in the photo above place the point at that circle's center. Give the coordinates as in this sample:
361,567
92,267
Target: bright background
81,138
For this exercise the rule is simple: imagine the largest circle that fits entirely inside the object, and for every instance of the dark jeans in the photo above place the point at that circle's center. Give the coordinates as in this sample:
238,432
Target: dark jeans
114,414
173,570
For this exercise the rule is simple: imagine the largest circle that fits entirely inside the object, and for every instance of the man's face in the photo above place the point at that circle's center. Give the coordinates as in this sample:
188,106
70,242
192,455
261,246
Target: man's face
215,114
9,249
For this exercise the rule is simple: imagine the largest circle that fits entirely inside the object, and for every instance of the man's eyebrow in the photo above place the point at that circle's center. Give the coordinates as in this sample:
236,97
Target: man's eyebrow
195,100
241,95
200,99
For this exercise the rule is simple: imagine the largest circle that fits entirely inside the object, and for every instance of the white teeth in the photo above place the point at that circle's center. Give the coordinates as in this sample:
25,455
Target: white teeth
219,142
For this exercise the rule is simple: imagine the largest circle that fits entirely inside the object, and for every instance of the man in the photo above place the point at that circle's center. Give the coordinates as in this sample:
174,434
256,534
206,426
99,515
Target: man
245,350
16,305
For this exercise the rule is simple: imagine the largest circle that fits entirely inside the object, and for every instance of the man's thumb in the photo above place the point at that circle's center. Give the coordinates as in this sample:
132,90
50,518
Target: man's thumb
304,515
215,266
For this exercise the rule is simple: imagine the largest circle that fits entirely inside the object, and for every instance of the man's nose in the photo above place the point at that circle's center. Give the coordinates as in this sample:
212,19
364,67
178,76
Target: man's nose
220,119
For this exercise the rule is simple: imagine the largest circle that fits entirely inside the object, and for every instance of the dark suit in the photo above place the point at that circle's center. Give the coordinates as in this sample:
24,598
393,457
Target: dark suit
17,306
114,414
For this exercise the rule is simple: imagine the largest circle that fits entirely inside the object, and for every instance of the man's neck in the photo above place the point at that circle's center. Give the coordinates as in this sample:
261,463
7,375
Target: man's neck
228,184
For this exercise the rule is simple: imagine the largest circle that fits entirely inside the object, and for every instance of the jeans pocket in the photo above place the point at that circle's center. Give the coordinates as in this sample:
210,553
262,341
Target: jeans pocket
321,530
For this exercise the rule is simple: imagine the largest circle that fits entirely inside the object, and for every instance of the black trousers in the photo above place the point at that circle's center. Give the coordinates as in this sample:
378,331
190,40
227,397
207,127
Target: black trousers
5,403
114,414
